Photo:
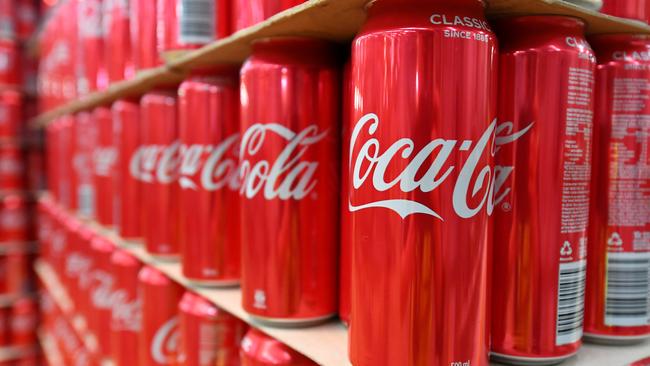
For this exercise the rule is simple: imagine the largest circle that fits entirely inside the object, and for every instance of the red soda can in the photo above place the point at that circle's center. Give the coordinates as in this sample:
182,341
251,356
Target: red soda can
63,159
289,169
78,263
250,12
26,18
11,117
258,349
618,271
143,27
420,181
543,155
15,219
632,9
10,63
92,74
160,161
345,256
12,167
158,342
20,276
51,162
187,24
24,321
117,43
209,183
5,326
7,19
88,261
101,293
83,185
126,319
209,336
127,198
70,265
104,156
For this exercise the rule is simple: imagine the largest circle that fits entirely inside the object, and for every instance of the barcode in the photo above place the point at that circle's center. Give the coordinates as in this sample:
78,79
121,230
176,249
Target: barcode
628,290
571,302
86,199
197,21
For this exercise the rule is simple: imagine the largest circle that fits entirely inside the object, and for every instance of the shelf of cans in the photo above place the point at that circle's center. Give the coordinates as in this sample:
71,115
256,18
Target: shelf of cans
239,176
21,178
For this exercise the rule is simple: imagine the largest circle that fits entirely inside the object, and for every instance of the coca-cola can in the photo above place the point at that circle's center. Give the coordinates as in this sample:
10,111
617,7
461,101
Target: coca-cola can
51,163
63,160
250,12
126,320
100,292
24,321
87,261
12,167
70,265
632,9
345,257
19,274
209,335
11,116
85,136
258,349
117,44
104,167
209,182
5,326
128,195
143,26
10,63
26,18
290,180
16,223
78,263
7,19
543,166
618,270
187,24
91,71
158,171
420,182
158,342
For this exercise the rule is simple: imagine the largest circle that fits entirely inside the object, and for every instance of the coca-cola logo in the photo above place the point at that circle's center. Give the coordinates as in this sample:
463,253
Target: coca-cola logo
218,170
483,183
290,176
104,160
156,163
127,312
165,342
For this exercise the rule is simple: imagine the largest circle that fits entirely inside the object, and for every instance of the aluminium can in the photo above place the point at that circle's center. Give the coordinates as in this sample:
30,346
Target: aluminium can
126,315
289,170
618,270
420,180
542,201
258,349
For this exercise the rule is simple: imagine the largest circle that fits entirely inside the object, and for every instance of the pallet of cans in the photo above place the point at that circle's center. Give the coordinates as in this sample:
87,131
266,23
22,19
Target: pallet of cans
456,190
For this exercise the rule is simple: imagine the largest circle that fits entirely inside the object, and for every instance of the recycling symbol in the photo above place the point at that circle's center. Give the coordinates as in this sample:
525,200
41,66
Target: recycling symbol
615,240
566,249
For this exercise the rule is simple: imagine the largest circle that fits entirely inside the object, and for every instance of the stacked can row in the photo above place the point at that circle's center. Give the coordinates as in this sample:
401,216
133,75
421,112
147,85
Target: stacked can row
426,188
88,44
137,314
